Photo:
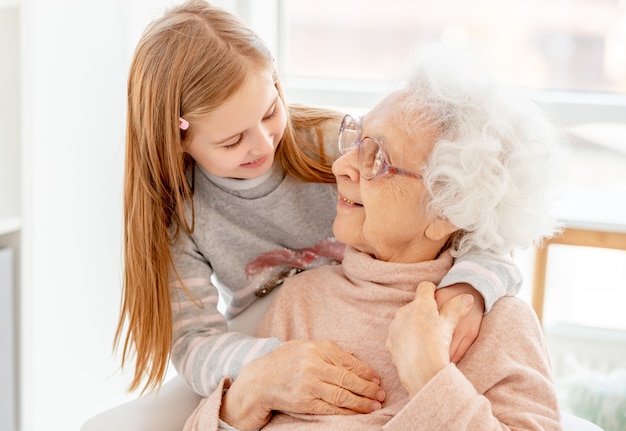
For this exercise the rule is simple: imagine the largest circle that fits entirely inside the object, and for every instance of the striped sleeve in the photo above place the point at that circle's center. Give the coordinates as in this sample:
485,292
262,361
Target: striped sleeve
494,276
203,351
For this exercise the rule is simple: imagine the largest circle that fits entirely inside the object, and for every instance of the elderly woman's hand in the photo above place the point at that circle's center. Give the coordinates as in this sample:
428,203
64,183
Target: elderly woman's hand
312,377
420,336
467,330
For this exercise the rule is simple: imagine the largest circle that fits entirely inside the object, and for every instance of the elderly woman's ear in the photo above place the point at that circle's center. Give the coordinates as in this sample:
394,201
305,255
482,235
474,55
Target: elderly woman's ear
439,228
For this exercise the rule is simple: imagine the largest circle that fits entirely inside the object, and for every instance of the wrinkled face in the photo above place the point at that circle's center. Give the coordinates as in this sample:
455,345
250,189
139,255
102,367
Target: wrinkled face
239,139
387,216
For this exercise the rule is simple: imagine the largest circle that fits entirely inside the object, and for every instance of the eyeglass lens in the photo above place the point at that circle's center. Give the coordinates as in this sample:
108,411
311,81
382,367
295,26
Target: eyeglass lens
370,156
348,135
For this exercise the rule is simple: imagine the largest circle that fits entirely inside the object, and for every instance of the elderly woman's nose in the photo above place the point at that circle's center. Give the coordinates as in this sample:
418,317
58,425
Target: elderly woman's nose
347,165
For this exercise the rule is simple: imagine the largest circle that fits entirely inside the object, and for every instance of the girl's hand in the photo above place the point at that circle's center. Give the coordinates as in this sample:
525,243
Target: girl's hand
420,336
311,377
467,330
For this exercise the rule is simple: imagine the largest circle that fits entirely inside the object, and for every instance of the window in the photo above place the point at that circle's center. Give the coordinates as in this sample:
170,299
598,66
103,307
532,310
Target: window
569,54
572,45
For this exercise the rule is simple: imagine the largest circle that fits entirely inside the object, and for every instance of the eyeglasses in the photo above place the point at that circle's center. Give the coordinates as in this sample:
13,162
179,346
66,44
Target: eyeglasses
373,160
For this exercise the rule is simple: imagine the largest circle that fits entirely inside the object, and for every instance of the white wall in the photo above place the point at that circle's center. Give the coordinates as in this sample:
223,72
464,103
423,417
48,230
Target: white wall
9,113
75,57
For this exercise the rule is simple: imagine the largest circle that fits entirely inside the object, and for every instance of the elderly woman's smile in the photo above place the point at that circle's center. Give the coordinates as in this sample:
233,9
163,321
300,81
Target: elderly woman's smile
343,199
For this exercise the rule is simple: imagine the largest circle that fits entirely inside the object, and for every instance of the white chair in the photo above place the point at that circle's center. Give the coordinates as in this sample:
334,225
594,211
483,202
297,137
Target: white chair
168,409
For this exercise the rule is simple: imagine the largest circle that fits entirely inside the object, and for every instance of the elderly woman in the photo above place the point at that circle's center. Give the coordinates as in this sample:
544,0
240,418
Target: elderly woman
449,163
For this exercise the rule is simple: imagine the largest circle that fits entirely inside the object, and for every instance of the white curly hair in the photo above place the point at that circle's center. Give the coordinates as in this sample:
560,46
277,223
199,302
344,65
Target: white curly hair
495,165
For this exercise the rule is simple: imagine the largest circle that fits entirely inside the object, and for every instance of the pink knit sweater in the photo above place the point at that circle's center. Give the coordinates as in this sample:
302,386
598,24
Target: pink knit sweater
504,380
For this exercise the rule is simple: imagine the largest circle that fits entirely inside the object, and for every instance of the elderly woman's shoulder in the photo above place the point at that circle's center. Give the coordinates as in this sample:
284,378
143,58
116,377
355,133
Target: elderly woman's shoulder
512,315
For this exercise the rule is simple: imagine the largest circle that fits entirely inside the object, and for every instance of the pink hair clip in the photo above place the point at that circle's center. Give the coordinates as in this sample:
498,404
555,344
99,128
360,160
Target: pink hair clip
184,124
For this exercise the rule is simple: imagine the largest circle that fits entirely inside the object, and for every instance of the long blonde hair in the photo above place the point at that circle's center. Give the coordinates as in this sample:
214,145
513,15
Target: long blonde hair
187,63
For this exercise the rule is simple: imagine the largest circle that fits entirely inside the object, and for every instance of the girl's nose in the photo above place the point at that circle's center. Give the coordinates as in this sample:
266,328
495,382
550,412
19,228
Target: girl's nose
263,139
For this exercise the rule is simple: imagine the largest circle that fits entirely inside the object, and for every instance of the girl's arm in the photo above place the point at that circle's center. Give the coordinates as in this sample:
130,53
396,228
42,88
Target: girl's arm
487,277
203,350
492,275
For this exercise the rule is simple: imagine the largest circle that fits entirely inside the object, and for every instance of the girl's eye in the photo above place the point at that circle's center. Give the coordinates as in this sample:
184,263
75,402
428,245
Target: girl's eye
271,112
234,144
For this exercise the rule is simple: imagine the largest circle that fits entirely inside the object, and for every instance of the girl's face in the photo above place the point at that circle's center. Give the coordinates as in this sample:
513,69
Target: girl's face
238,140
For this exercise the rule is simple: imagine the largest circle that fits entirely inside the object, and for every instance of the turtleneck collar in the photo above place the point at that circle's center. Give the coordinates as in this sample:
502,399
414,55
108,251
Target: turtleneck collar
362,269
248,188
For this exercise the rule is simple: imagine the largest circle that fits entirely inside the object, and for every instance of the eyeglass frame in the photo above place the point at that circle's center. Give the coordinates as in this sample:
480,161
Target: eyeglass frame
385,167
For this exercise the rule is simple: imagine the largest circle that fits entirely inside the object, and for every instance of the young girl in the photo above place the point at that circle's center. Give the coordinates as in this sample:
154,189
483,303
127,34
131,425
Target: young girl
227,186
